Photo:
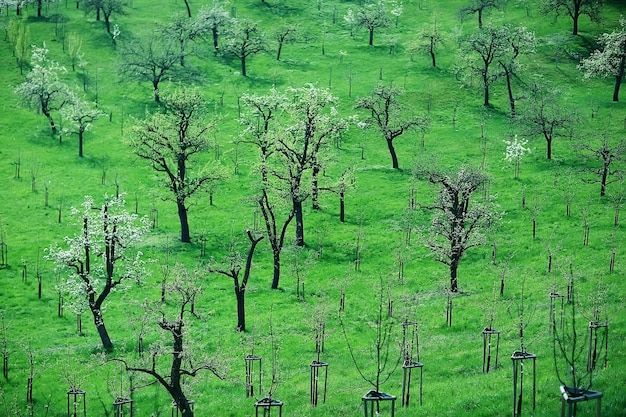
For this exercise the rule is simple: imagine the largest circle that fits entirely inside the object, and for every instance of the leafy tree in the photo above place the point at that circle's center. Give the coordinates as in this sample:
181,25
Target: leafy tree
243,40
74,46
489,45
387,114
428,40
183,30
98,259
371,17
171,141
80,116
480,7
606,153
152,58
546,117
611,60
171,363
284,34
574,9
42,89
232,268
456,224
214,19
21,41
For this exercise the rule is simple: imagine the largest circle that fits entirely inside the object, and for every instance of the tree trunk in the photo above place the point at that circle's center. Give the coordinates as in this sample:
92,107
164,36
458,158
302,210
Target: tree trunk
188,8
240,294
184,223
342,208
276,253
619,77
80,143
243,66
480,18
371,36
50,120
605,174
454,266
486,84
432,56
98,320
507,73
280,48
392,151
97,13
107,23
155,87
575,19
215,35
297,209
549,146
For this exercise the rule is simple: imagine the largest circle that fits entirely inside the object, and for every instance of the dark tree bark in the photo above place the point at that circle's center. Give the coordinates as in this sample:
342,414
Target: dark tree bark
620,76
188,8
185,237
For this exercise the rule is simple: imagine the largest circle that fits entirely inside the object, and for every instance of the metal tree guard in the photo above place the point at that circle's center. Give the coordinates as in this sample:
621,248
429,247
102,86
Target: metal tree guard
570,400
267,404
76,399
315,377
372,398
518,360
554,303
250,361
411,357
488,335
119,407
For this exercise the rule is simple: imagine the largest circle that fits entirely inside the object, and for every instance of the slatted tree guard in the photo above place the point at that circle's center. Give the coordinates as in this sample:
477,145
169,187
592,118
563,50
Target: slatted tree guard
266,405
122,407
411,360
254,365
76,401
519,360
557,305
491,336
318,369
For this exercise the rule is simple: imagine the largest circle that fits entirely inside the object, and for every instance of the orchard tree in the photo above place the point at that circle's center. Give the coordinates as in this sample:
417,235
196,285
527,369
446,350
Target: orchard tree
370,17
99,259
574,9
287,33
456,224
42,89
19,36
546,117
480,7
172,140
429,41
80,114
311,122
519,41
611,60
184,30
483,48
173,359
605,154
106,7
243,39
215,20
387,113
231,267
153,58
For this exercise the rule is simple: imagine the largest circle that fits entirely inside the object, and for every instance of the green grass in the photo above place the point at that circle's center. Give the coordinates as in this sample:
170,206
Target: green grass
453,382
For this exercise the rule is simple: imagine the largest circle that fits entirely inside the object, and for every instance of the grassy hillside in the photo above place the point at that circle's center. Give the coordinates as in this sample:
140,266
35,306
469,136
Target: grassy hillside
325,54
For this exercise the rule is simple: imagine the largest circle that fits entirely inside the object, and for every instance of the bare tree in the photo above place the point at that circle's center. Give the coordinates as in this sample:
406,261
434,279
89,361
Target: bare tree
170,362
387,114
456,225
574,9
232,268
243,39
606,153
153,58
546,117
480,7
